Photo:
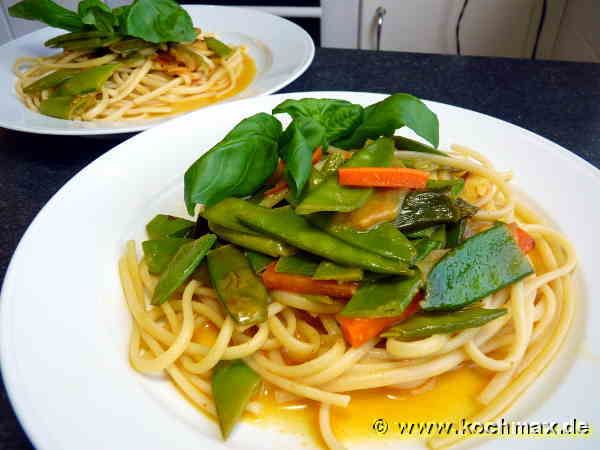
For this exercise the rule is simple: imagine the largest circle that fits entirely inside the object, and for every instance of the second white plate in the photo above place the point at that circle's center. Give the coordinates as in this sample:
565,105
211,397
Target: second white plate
281,50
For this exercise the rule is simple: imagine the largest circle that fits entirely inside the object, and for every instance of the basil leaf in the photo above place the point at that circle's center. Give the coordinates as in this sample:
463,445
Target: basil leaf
385,117
97,14
48,12
297,143
120,12
338,117
159,21
237,166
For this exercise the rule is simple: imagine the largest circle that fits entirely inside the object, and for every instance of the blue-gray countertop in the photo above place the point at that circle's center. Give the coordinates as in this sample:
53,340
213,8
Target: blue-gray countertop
560,101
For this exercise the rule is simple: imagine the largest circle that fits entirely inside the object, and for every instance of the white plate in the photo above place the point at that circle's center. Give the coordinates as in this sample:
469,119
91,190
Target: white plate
281,50
64,325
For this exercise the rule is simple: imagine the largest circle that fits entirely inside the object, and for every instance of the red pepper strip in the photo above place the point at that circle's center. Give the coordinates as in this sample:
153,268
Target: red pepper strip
306,285
358,330
281,184
525,241
390,177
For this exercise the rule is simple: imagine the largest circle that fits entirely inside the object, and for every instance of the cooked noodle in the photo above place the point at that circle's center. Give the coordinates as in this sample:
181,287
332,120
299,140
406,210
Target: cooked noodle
149,85
540,310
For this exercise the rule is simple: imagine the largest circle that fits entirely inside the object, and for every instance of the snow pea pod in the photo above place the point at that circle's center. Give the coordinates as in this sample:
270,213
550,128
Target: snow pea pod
225,214
480,266
86,81
453,187
404,143
165,225
384,298
435,241
233,385
385,239
240,291
262,244
186,260
327,270
159,252
57,41
297,264
90,44
220,48
455,233
331,196
50,81
258,261
423,325
66,107
284,224
424,209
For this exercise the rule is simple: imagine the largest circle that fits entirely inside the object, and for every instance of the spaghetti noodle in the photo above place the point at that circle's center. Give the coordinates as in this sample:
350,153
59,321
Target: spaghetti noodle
300,351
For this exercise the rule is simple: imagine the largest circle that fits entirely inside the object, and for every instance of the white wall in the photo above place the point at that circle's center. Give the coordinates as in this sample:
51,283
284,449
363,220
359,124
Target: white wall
579,35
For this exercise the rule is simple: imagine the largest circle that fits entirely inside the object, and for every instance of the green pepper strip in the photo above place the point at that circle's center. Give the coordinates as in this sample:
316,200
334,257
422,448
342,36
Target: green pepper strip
480,266
220,48
239,289
423,325
233,385
327,270
385,239
159,252
283,224
186,260
165,225
262,244
50,81
89,80
331,196
383,298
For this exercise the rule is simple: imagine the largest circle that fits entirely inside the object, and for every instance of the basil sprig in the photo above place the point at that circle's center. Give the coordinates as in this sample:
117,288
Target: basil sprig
154,21
241,163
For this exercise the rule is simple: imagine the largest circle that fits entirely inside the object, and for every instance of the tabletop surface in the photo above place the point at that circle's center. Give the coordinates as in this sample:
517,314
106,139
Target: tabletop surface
558,100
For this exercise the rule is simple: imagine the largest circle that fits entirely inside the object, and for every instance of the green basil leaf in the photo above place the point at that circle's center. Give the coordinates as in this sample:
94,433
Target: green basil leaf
385,117
338,117
237,166
120,12
48,12
297,143
97,14
159,21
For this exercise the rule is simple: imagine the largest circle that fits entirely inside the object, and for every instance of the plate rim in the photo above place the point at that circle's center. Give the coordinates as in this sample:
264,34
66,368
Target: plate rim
24,410
300,70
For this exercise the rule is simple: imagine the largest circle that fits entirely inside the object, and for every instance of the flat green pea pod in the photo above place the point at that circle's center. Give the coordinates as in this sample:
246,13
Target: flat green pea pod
127,47
297,264
217,46
455,233
385,239
238,288
258,261
262,244
480,266
165,225
383,298
86,81
283,223
159,252
327,270
90,44
424,209
225,214
58,41
331,196
66,107
423,325
329,167
453,187
233,385
50,81
182,265
404,143
436,241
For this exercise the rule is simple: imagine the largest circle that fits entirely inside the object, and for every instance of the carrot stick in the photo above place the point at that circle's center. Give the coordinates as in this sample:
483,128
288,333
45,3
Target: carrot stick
306,285
524,240
398,177
280,183
358,330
